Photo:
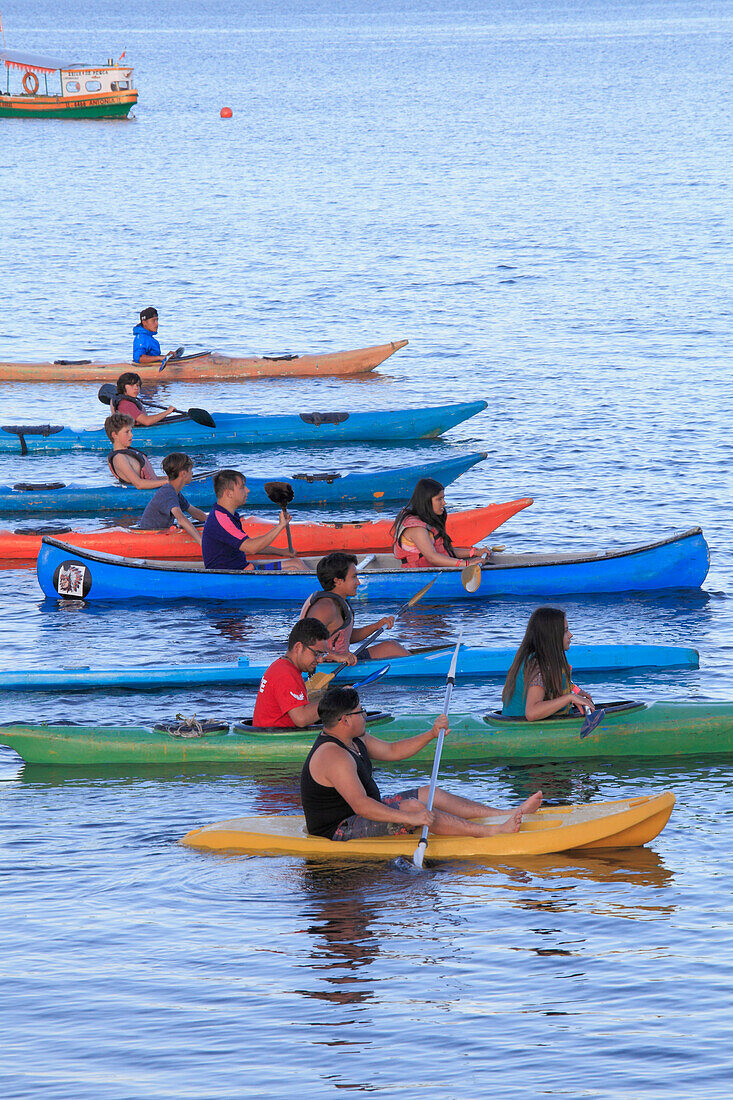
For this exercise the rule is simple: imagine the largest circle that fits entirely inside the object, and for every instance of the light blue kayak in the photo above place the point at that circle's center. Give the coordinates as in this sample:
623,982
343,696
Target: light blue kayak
311,490
248,430
680,561
425,664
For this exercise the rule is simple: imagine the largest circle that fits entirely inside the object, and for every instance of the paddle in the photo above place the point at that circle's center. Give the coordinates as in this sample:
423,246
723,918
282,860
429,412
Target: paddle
419,855
376,675
199,416
171,355
319,680
592,719
365,562
281,493
471,574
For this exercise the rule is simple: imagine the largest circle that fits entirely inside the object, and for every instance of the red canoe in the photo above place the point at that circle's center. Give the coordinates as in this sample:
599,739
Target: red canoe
465,528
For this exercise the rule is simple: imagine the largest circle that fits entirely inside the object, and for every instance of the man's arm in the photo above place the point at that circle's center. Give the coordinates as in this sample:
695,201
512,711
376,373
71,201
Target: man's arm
307,715
261,542
408,746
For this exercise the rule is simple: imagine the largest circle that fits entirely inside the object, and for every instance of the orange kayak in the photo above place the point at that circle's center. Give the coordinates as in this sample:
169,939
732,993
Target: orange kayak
209,367
465,528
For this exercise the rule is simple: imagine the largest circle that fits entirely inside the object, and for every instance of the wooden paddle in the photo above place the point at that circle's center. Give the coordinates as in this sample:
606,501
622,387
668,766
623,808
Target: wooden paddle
471,574
281,493
422,844
320,680
199,416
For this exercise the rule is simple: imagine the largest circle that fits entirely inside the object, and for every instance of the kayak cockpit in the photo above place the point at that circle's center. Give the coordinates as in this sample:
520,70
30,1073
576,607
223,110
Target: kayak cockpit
624,706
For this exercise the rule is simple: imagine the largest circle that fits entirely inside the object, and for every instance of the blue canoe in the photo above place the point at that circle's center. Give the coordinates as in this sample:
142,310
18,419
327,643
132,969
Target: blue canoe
311,490
426,664
248,430
680,561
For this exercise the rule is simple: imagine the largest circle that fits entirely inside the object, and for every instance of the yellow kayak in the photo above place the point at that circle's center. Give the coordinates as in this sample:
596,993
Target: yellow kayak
622,824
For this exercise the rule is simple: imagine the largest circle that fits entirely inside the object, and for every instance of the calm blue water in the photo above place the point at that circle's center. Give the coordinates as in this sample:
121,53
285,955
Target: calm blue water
538,196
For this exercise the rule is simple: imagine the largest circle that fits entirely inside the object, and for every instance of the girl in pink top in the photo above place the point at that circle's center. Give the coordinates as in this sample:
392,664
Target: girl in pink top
420,536
127,401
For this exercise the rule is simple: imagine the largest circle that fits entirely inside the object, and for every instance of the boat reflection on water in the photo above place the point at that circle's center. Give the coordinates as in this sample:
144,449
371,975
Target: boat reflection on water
642,867
340,916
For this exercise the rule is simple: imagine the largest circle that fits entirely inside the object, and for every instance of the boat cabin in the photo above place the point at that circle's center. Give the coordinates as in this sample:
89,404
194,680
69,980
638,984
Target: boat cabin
38,86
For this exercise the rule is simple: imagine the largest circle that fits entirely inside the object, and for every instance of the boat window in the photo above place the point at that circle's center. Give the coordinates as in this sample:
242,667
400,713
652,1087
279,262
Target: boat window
123,85
73,86
92,85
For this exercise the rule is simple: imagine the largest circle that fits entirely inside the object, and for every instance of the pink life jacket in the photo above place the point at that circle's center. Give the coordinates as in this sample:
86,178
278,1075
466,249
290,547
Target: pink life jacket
146,470
410,555
340,638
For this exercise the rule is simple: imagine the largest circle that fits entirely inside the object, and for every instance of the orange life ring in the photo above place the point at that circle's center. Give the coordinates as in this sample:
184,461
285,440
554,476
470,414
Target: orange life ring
30,82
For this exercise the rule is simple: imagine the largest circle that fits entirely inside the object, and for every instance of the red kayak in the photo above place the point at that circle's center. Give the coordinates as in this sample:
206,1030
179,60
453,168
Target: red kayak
465,528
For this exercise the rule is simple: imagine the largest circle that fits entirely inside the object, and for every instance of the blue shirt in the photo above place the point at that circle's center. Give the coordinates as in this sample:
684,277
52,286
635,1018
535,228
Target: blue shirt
157,515
221,538
143,343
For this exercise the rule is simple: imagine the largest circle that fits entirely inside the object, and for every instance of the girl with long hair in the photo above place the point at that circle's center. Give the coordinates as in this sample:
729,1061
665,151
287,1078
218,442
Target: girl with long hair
420,535
539,684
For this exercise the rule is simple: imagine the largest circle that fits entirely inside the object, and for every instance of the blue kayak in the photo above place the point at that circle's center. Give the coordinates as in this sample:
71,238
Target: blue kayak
680,561
232,430
311,490
426,664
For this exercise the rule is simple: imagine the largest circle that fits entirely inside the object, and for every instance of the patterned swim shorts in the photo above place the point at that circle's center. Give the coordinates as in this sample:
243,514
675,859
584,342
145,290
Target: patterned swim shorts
358,828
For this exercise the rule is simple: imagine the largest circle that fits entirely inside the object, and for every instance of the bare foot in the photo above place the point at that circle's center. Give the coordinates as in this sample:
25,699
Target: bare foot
532,804
511,825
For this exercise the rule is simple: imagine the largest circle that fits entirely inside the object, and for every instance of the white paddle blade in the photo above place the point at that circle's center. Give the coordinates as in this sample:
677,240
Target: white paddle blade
365,562
419,854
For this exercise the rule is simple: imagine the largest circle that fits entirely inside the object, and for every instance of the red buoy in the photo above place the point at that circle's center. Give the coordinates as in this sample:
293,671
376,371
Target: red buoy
225,112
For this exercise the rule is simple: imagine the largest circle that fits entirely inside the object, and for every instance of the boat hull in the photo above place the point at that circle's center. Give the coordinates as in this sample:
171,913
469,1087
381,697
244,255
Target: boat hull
89,105
678,562
212,367
473,663
656,730
311,490
624,823
370,536
241,431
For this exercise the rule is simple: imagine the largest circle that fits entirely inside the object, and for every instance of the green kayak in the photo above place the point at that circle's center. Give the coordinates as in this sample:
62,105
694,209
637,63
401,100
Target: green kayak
628,729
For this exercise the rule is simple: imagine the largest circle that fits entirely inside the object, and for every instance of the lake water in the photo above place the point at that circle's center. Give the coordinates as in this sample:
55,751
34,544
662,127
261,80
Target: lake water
537,195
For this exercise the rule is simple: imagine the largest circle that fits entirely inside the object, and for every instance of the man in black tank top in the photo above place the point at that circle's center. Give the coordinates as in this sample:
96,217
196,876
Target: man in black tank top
341,800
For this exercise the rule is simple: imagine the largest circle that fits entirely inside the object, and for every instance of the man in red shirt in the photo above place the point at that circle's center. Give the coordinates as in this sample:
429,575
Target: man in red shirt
282,701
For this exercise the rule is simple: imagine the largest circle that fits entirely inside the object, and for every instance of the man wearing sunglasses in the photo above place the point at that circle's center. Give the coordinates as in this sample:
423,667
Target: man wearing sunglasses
282,701
341,800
